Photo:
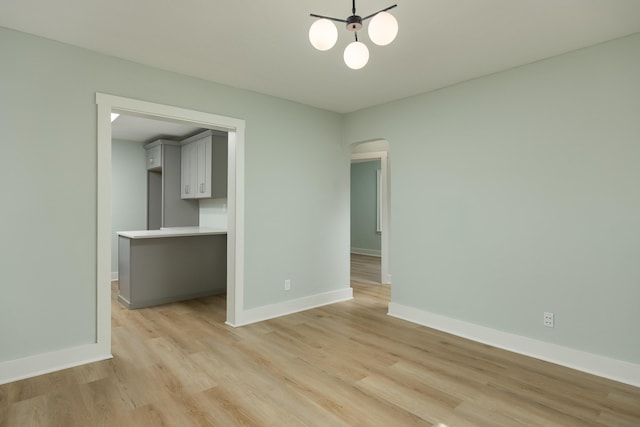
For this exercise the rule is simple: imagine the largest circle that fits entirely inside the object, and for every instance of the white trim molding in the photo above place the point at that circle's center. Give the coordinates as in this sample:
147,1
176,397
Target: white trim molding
258,314
614,369
26,367
235,198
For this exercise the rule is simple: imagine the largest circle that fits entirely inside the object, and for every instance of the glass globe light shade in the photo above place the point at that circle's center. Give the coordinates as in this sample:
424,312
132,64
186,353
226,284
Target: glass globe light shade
323,34
383,28
356,55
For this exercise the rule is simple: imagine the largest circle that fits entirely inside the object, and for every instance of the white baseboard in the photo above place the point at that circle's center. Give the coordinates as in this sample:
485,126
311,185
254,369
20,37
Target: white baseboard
363,251
602,366
259,314
26,367
114,276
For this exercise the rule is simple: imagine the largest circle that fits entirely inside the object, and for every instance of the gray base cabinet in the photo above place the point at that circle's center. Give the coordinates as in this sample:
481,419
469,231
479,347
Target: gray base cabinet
162,270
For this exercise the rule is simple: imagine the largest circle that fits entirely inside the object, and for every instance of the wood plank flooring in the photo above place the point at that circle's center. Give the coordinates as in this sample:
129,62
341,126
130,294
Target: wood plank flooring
348,364
365,269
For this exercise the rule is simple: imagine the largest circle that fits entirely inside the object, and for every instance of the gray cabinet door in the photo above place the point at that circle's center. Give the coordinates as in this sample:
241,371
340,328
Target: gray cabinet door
176,212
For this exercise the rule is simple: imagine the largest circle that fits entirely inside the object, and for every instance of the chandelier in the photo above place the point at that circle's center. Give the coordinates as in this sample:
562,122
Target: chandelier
382,30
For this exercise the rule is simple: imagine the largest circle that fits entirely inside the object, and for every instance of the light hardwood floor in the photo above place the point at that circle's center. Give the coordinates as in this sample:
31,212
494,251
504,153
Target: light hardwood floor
344,364
365,269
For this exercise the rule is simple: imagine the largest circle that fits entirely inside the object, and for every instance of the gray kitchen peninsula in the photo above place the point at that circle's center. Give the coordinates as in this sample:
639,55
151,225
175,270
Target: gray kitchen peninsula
171,264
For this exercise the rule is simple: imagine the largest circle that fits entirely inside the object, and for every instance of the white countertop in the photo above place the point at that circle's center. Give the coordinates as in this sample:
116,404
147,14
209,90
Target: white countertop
172,232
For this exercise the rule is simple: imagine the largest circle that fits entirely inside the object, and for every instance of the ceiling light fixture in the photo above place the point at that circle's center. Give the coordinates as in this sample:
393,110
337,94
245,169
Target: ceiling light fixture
383,29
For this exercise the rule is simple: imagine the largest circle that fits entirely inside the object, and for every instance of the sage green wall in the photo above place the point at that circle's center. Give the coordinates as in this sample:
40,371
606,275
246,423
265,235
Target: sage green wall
364,206
296,196
519,193
128,191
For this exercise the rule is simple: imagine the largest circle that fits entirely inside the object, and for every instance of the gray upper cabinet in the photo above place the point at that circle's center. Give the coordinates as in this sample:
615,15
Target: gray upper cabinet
204,166
165,207
154,156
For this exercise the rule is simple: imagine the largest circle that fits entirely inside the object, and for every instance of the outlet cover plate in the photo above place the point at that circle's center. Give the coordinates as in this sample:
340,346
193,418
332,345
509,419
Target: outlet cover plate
548,319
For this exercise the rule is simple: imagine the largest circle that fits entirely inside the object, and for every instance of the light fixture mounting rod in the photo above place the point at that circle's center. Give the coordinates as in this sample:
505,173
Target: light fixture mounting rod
380,11
346,21
328,17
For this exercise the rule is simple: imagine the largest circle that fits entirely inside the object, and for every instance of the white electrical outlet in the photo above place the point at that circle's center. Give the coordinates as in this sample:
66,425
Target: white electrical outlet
548,319
287,285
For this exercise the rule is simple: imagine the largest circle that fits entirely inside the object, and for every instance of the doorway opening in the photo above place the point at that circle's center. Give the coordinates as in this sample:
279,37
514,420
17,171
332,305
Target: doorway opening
370,235
234,128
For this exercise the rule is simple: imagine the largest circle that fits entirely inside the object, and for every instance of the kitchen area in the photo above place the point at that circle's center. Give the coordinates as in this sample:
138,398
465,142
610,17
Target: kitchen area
169,221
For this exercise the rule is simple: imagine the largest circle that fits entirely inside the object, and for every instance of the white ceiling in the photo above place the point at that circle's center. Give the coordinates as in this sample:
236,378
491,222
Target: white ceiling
263,45
143,129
